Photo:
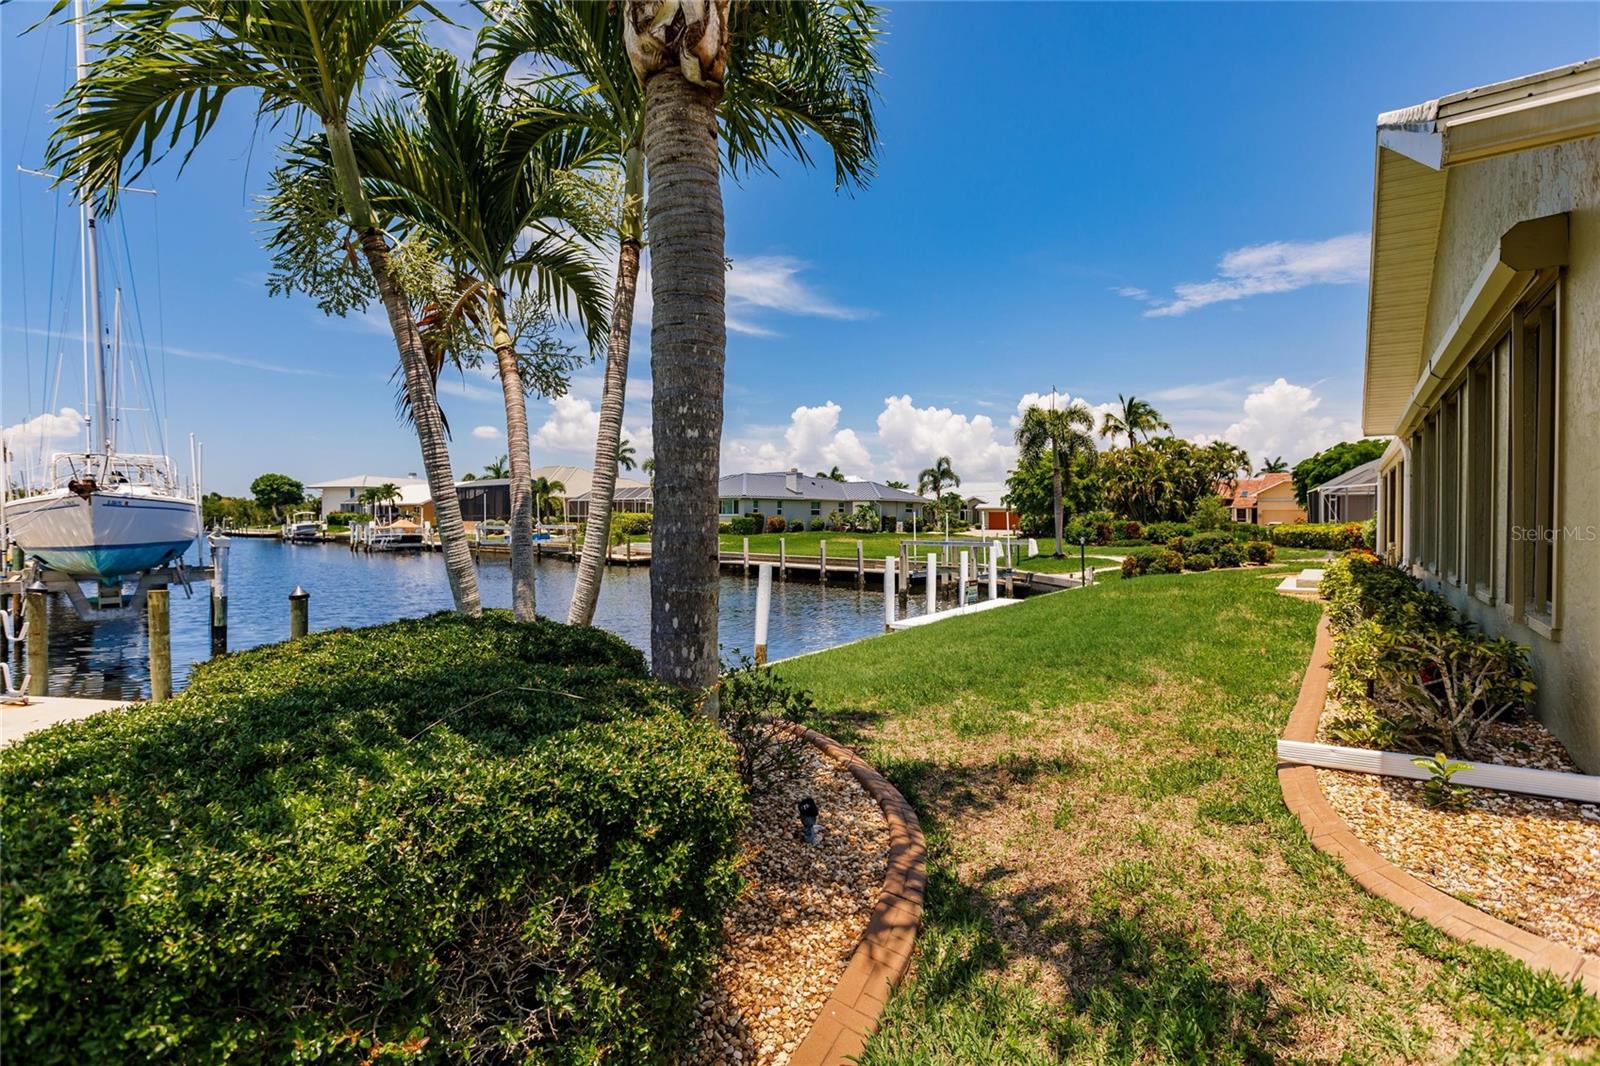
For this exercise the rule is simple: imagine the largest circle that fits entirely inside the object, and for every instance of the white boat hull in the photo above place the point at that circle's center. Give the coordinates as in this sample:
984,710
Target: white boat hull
107,536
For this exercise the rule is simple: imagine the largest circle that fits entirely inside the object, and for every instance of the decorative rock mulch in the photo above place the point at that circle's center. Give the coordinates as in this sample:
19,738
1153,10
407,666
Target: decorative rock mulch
792,932
1532,862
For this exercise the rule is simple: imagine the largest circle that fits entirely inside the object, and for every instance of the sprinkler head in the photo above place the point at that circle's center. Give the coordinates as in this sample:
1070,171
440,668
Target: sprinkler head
808,819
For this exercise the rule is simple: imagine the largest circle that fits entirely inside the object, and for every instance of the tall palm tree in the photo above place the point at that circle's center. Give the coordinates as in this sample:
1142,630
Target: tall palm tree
1133,416
1275,465
1223,462
626,456
164,69
1064,434
793,70
649,468
482,185
896,485
497,469
935,479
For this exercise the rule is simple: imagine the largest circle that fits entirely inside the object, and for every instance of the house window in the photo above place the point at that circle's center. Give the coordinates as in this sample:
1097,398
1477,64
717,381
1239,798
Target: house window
1534,457
780,508
816,508
730,507
1423,496
1480,481
1449,466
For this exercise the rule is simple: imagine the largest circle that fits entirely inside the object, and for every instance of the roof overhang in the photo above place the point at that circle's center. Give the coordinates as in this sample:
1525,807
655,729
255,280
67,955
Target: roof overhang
1415,147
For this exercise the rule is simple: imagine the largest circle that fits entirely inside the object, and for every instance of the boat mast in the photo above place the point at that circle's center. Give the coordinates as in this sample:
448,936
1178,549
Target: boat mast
101,426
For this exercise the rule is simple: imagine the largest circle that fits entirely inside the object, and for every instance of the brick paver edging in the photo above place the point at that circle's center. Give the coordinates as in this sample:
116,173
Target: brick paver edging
1329,833
883,954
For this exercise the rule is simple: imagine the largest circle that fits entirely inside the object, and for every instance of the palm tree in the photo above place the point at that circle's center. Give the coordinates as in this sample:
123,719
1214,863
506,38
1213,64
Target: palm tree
831,475
1064,434
933,480
545,491
163,70
497,469
1277,465
374,495
481,186
650,470
792,70
625,459
1134,416
1224,461
896,485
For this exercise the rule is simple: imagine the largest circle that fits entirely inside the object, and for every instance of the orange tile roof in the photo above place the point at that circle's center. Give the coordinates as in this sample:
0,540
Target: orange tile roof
1248,488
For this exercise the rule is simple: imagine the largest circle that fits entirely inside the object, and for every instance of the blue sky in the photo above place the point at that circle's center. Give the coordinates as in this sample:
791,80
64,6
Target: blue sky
1169,200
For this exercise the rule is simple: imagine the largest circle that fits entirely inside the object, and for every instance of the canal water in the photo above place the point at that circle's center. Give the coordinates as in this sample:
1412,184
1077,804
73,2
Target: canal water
111,659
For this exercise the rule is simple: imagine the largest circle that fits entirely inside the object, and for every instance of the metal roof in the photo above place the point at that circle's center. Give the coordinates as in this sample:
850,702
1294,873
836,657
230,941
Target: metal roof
775,486
367,481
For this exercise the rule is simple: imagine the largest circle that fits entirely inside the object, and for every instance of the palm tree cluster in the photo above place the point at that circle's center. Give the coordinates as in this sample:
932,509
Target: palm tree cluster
470,201
1062,435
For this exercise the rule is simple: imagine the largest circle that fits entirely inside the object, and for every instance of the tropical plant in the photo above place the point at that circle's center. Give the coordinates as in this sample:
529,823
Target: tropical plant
163,70
933,480
766,76
649,469
1132,416
625,455
1061,434
374,496
546,493
832,475
1439,791
489,215
1276,465
866,519
1226,462
497,469
901,485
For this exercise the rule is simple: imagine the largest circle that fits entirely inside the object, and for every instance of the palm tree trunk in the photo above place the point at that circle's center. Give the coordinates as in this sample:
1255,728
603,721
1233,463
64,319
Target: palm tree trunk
424,403
1055,487
523,600
613,397
688,341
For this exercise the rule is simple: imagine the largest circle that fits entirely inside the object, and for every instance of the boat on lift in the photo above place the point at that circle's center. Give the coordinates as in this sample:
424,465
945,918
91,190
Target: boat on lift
302,527
102,513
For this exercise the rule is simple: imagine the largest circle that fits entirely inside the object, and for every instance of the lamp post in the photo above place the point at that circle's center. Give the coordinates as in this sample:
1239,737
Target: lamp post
1083,561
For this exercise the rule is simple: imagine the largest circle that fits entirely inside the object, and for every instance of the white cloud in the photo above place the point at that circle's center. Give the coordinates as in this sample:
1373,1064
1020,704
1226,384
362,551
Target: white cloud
486,432
1288,420
43,431
758,285
1277,266
915,436
811,441
574,423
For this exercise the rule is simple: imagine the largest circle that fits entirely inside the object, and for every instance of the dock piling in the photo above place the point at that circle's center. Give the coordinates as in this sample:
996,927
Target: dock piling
747,557
159,618
931,587
905,572
37,615
888,592
822,562
299,612
861,564
961,589
994,571
763,609
219,594
783,559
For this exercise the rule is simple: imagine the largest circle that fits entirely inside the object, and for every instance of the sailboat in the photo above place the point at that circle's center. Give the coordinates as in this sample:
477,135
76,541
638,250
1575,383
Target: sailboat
103,514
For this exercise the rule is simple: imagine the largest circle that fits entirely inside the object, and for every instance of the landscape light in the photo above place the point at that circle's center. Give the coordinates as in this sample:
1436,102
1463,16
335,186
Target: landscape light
808,819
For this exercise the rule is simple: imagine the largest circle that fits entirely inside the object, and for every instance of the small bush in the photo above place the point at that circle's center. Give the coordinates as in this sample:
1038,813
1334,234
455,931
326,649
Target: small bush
1369,534
817,525
1209,513
1360,586
744,525
1260,552
1178,544
1137,562
1332,536
753,701
1200,561
1207,543
776,524
1130,531
1230,554
1162,532
1453,681
724,527
796,526
631,524
1166,562
446,838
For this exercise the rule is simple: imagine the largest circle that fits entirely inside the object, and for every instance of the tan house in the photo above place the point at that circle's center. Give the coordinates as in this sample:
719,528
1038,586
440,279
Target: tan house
1483,360
1262,501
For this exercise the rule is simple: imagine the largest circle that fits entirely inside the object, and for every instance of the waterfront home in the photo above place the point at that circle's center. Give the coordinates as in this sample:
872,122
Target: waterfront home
489,499
1350,497
793,496
1261,501
1483,360
344,494
997,518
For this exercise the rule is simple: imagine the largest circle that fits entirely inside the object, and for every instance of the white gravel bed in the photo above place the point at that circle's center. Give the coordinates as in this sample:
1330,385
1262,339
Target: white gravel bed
1532,862
791,933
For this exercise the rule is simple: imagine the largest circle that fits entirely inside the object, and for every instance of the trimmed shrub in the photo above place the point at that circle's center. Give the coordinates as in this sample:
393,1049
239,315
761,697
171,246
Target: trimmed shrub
1369,534
1332,536
817,525
1178,544
445,838
1210,513
1230,554
1206,543
1137,562
1360,586
1199,562
776,524
632,524
1162,532
724,527
1452,681
1130,531
744,525
1166,562
796,526
1260,552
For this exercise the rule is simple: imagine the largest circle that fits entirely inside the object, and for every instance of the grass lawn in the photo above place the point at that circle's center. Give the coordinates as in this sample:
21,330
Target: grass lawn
1114,876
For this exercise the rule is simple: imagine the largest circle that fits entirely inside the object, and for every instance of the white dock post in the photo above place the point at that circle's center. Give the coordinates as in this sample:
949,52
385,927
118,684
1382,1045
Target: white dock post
822,562
1033,547
861,564
888,592
747,557
763,608
783,559
932,588
994,571
961,594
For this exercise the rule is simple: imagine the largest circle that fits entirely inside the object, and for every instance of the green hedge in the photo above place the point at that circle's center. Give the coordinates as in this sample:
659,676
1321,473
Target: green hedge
434,840
1333,536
